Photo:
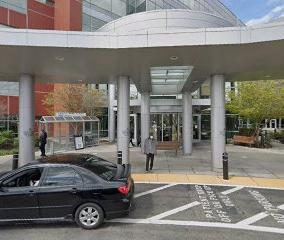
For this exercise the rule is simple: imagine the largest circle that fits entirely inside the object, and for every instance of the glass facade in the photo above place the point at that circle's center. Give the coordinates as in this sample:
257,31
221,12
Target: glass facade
97,13
16,5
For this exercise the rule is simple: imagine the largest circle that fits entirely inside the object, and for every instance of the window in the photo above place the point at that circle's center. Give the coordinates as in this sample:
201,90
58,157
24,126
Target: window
26,178
104,169
16,5
62,176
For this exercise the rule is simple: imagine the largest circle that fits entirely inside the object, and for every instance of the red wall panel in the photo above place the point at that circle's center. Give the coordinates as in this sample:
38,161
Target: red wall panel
16,19
76,15
14,105
44,87
68,15
4,16
39,21
41,8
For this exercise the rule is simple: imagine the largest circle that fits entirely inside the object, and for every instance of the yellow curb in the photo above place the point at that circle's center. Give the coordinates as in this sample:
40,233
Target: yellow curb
145,177
176,178
208,179
247,181
264,182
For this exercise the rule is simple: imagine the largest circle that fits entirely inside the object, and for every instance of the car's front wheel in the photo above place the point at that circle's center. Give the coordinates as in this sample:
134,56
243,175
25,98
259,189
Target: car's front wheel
89,216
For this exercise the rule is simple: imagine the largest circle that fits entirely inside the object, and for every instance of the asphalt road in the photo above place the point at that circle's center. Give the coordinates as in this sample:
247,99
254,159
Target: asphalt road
178,212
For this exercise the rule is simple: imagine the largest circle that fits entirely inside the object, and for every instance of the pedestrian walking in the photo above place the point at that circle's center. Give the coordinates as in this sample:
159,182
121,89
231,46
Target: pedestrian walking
131,138
43,140
150,151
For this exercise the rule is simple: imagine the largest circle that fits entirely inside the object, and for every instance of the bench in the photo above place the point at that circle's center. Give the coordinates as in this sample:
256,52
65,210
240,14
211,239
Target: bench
173,145
250,141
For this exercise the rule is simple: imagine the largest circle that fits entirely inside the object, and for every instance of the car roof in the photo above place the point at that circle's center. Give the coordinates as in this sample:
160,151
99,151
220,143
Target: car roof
69,159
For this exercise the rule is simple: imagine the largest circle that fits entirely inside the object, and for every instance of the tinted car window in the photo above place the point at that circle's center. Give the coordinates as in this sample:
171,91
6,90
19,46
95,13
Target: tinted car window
26,178
61,176
104,169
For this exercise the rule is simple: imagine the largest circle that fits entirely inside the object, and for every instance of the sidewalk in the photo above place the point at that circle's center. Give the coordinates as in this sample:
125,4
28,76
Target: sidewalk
207,179
248,166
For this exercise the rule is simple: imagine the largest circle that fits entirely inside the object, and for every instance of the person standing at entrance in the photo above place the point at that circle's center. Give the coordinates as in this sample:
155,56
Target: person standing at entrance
150,151
43,140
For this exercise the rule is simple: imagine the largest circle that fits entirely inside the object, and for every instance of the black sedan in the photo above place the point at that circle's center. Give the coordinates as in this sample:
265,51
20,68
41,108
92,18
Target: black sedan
79,187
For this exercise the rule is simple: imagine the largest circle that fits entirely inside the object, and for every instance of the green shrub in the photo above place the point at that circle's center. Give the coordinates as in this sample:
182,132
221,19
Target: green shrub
281,137
246,132
16,143
6,140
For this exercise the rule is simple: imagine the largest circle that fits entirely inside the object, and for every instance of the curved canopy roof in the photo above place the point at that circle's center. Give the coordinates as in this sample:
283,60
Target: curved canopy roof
240,53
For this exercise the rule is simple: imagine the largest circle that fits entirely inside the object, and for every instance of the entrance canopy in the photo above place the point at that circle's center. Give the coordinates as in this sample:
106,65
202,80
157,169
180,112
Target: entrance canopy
68,119
240,53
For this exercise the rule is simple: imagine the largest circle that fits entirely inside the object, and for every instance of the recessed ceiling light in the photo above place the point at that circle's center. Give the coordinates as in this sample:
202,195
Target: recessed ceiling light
195,81
59,58
268,76
174,58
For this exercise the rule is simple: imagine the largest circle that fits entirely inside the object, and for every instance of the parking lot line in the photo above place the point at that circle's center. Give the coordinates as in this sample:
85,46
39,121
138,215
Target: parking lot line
253,219
232,190
174,211
281,207
200,224
154,190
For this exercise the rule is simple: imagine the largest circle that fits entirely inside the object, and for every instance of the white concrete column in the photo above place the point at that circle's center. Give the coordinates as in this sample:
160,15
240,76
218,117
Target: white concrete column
218,127
27,120
123,119
111,113
187,123
145,117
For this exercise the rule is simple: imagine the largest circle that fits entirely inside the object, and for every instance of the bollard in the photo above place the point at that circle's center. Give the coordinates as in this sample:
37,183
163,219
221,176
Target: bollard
225,166
15,162
119,157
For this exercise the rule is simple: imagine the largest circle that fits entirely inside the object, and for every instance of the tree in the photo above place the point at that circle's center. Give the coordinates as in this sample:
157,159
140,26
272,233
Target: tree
76,98
258,101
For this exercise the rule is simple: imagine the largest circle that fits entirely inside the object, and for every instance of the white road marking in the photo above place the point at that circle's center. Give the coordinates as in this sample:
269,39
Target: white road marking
281,207
232,190
199,224
174,211
211,184
253,219
154,190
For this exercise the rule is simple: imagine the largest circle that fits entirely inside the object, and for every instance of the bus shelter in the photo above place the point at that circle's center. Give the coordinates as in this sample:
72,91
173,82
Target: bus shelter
62,131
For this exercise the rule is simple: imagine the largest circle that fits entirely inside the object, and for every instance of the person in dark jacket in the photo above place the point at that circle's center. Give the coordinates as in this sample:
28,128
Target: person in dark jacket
42,140
150,151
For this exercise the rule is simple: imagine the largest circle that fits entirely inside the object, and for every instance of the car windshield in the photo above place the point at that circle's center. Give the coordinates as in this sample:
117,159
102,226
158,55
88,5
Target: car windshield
102,168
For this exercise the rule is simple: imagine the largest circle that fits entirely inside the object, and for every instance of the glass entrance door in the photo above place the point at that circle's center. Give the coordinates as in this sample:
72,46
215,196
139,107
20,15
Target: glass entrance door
165,127
168,127
196,128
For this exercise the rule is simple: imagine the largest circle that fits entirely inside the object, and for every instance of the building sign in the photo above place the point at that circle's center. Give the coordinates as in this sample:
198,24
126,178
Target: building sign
79,144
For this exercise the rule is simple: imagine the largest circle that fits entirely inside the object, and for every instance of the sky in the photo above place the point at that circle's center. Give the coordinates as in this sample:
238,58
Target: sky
254,12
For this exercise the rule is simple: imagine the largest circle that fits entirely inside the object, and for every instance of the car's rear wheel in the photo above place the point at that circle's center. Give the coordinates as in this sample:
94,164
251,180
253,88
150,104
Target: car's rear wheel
89,216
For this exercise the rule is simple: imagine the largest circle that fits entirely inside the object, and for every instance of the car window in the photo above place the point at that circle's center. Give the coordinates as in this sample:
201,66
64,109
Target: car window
26,178
104,169
61,176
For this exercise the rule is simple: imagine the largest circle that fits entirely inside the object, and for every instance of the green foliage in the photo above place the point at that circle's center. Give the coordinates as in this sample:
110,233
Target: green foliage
279,136
6,140
246,132
258,101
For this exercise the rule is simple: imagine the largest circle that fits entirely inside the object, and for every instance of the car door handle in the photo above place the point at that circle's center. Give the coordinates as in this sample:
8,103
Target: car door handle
31,193
73,190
